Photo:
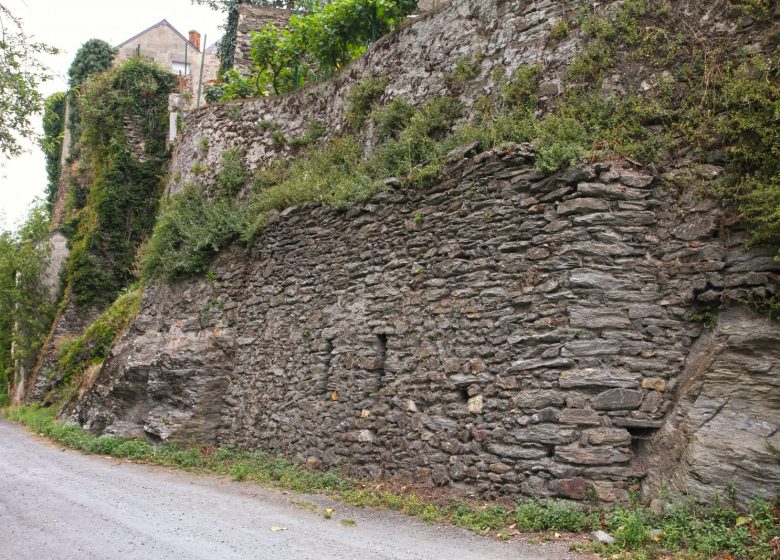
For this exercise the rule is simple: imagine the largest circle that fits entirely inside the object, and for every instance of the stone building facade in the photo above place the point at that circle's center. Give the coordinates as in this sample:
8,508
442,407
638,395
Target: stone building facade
163,43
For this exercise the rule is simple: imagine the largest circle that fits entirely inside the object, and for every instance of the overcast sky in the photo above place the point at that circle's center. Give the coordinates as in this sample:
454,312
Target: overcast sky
66,26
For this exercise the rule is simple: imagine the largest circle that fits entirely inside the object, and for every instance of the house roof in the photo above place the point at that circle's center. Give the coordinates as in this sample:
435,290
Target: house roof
163,22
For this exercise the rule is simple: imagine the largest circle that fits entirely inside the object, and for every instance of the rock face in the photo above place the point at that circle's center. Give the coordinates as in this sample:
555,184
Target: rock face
473,335
724,429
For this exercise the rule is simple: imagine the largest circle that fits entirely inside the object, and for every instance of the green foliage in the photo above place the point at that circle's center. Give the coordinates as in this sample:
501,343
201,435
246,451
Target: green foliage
93,57
26,309
276,54
20,75
189,232
234,86
232,175
710,98
555,515
520,91
314,132
465,69
561,141
702,531
749,121
311,46
93,346
361,98
191,229
392,118
119,109
51,143
706,316
560,31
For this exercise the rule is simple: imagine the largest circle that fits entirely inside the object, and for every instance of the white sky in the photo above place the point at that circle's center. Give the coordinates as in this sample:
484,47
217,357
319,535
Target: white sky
66,25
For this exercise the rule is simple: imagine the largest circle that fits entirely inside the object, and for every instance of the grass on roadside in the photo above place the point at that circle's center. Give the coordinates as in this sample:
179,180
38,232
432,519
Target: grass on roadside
688,531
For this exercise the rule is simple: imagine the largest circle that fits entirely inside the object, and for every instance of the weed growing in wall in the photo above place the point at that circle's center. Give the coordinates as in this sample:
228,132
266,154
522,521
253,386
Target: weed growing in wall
93,346
700,97
362,97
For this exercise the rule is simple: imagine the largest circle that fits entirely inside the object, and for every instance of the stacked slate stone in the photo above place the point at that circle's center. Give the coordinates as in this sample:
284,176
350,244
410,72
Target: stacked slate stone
502,332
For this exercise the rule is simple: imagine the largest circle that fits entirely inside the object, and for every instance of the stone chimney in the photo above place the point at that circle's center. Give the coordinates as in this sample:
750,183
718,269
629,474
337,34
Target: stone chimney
195,38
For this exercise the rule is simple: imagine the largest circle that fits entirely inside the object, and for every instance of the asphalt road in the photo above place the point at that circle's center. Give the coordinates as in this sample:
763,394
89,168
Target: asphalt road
60,504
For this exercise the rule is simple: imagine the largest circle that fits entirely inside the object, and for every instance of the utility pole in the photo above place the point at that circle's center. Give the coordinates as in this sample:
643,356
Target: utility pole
202,64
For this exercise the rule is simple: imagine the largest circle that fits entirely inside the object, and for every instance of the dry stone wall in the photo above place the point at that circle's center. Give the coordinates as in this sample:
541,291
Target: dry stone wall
418,58
502,332
253,18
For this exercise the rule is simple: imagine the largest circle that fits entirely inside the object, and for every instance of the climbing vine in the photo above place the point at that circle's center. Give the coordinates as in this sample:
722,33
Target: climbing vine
124,125
51,143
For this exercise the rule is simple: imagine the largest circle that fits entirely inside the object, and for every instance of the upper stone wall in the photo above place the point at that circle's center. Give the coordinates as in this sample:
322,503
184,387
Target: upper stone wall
418,58
503,332
253,18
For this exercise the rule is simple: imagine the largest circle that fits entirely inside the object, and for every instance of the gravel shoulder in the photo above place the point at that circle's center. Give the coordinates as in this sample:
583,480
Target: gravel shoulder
57,503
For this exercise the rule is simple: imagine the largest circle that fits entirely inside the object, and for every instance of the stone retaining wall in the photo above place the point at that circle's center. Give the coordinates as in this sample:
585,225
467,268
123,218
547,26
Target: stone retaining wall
502,332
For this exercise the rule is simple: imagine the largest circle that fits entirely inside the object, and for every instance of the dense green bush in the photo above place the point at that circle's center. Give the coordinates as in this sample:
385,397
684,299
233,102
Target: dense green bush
26,309
361,98
93,58
51,142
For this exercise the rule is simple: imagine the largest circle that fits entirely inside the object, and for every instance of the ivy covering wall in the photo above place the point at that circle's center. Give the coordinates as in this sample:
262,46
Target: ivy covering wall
51,143
124,120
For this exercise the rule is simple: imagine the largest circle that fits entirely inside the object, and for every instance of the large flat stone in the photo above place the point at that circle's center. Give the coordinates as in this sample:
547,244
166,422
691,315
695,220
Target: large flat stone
597,318
596,377
577,455
549,434
617,399
517,451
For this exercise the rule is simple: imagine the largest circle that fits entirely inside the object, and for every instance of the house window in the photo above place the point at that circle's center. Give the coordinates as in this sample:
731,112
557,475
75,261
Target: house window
180,68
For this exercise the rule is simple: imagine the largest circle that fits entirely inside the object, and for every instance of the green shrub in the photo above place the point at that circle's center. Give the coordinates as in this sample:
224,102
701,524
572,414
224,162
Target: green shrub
314,132
555,515
189,231
392,118
465,69
561,141
232,175
361,98
520,91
